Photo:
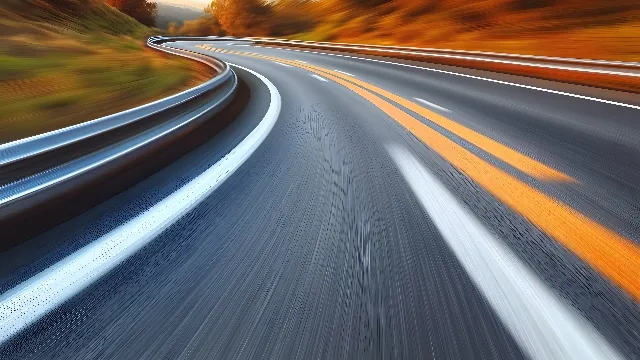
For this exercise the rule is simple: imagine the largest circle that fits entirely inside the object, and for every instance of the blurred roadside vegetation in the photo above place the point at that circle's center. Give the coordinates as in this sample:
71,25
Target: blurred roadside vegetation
63,62
595,29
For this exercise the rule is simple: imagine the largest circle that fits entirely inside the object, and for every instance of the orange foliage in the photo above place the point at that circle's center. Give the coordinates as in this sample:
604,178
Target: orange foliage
142,10
588,28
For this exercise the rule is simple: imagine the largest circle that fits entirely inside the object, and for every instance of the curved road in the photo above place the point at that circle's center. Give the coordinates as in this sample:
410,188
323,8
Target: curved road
393,211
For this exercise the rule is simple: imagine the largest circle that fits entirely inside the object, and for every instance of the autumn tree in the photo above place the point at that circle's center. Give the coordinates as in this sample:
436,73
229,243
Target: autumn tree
173,28
289,17
143,11
204,26
240,17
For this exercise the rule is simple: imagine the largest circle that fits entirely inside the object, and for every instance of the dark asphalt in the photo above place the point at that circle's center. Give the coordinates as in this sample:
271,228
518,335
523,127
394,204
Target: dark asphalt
317,248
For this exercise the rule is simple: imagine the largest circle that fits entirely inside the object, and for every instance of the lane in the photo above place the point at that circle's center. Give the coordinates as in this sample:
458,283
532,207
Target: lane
613,255
544,326
598,162
569,134
614,311
515,159
321,246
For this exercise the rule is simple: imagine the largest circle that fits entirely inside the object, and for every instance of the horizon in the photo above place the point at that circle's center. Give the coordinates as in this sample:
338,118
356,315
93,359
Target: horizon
191,3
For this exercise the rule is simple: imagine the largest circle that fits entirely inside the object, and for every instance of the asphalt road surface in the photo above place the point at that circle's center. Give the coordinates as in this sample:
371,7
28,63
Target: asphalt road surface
384,210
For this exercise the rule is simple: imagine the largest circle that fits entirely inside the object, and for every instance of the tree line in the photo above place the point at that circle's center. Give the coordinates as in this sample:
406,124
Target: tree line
250,18
144,11
586,28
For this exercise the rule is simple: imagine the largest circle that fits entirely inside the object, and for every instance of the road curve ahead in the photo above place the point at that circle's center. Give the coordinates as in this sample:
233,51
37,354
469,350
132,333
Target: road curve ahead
356,208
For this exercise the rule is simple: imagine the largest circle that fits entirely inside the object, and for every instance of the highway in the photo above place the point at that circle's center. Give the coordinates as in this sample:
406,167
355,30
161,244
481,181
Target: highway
357,207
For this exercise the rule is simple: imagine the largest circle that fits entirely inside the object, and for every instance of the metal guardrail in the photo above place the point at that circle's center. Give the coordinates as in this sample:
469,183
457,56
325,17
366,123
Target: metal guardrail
609,75
478,54
45,167
630,70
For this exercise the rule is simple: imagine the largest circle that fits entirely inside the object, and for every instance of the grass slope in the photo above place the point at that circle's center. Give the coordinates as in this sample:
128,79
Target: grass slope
63,62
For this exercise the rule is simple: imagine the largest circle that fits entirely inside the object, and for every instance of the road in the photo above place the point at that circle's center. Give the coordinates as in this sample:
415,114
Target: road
392,211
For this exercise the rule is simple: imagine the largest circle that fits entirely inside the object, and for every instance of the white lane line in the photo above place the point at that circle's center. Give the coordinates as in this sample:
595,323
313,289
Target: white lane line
521,63
230,44
32,299
426,52
318,77
304,62
543,326
637,107
428,103
279,63
534,57
343,72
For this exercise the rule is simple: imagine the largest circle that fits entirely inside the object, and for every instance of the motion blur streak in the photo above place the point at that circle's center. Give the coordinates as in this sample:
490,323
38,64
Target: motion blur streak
613,255
519,161
543,326
39,295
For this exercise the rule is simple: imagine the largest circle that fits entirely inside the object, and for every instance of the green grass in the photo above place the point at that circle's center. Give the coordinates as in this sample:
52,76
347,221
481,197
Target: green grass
64,89
12,67
57,70
57,101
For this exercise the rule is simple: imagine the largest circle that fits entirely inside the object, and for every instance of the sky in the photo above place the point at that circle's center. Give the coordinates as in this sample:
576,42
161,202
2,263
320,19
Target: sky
193,3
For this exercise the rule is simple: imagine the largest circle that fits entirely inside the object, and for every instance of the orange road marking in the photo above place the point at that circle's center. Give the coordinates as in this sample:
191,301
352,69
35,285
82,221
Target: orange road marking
613,255
519,161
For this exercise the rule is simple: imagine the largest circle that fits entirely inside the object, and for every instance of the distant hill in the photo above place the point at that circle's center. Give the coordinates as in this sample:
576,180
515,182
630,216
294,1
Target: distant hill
196,5
178,14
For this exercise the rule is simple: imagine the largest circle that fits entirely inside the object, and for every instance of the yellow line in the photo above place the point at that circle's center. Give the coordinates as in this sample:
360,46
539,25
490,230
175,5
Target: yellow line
519,161
613,255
